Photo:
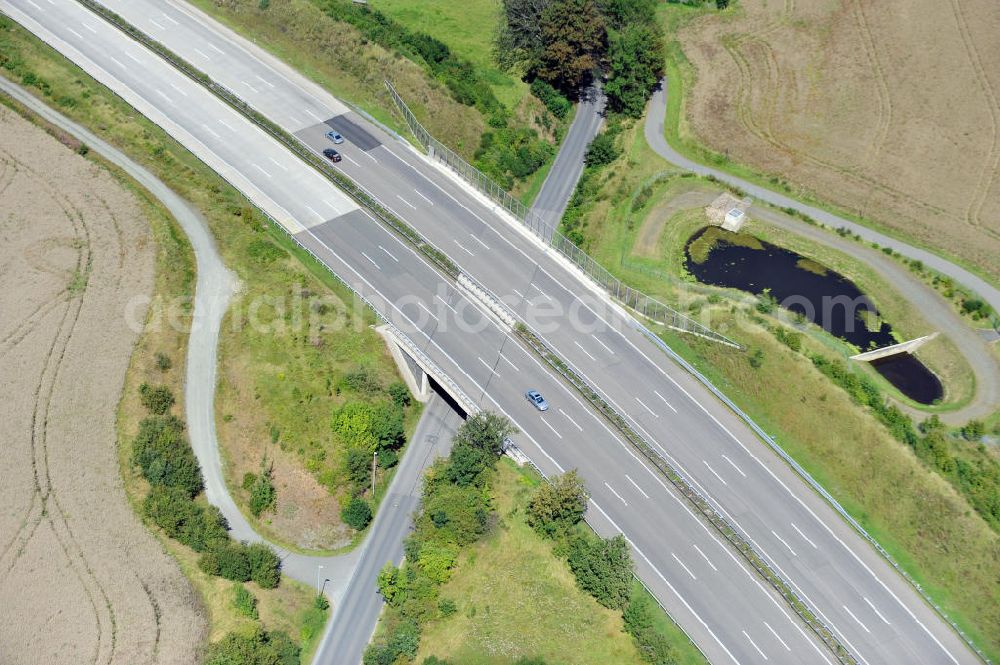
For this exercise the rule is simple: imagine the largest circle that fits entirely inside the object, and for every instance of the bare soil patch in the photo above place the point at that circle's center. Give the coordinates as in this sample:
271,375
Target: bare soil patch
81,580
888,109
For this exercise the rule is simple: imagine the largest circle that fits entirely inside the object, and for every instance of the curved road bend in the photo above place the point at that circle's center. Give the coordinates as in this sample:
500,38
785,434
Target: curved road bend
552,199
347,633
724,608
658,142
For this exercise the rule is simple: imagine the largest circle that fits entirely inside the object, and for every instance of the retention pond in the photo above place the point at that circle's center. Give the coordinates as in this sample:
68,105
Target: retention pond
830,300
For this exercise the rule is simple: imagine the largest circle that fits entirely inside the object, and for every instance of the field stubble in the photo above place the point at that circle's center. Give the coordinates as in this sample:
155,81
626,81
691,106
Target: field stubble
81,580
888,110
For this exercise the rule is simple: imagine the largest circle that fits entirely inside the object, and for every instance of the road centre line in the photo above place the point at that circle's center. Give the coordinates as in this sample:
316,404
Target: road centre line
313,211
201,53
488,366
721,479
369,156
446,303
686,569
252,89
178,88
570,418
90,27
664,400
211,131
551,428
616,494
350,160
463,247
132,57
117,61
479,241
79,36
424,307
406,202
856,619
264,80
169,18
606,347
784,543
585,350
875,610
704,556
165,96
371,260
655,414
804,536
158,25
634,484
278,164
733,464
258,167
519,294
227,125
389,253
754,645
315,117
777,637
417,192
507,360
215,48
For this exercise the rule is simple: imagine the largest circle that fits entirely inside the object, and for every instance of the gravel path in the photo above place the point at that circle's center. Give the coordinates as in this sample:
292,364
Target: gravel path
977,351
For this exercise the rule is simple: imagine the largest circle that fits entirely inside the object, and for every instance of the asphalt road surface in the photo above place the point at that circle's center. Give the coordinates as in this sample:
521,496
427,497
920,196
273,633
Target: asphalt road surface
707,588
658,142
554,196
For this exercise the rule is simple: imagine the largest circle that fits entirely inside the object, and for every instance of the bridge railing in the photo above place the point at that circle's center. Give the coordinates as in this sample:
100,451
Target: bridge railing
645,305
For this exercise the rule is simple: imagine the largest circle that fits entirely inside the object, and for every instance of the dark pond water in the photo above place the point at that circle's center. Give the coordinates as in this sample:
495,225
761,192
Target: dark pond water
822,296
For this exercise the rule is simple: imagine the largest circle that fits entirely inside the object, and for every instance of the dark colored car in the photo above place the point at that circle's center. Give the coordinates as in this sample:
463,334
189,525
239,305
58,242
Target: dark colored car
332,155
335,137
537,400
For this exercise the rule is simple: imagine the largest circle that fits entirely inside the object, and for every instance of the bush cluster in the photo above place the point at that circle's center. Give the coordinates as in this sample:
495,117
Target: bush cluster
242,562
254,647
163,455
156,399
455,512
507,154
557,103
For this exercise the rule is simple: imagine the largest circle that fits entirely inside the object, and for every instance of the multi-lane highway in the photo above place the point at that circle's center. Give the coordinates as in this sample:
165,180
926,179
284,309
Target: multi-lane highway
705,585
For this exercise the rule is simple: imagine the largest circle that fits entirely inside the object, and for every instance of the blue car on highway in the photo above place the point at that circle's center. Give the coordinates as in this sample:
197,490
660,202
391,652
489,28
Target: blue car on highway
537,400
335,137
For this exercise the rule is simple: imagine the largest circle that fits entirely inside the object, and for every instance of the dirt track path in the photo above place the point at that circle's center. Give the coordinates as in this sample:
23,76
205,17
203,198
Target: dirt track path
81,580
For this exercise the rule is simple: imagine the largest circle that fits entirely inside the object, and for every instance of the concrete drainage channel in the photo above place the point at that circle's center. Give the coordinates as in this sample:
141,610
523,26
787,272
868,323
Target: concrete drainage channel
532,341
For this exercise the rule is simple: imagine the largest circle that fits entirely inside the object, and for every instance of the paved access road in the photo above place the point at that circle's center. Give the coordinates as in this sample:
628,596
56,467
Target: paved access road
658,142
705,586
552,199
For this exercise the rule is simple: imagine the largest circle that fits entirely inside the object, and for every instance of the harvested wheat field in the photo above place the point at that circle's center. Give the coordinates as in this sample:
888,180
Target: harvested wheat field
81,580
888,109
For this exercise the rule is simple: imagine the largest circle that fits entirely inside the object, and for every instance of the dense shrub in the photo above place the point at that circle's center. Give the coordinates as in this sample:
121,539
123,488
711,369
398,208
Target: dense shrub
400,640
368,426
244,601
554,101
265,565
156,399
255,647
559,505
603,568
507,154
263,494
635,66
654,646
162,453
399,394
357,514
602,150
228,560
199,527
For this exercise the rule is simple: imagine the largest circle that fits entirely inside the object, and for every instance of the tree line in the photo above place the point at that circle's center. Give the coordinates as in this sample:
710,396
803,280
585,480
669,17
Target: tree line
568,44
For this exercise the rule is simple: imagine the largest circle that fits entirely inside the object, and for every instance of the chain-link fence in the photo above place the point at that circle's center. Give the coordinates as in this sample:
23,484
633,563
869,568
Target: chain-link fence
645,305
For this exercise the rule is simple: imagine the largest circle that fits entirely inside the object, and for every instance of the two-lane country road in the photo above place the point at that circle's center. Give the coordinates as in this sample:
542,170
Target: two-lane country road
706,587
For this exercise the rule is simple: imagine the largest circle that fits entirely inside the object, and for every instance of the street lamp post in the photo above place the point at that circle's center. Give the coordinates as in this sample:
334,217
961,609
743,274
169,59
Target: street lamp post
374,460
319,580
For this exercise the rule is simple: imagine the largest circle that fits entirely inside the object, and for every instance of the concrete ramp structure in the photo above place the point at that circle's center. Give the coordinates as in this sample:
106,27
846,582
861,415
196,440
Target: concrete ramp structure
895,349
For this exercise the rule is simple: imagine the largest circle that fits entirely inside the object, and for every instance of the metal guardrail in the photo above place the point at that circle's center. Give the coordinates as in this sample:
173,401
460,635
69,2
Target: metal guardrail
446,265
638,301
